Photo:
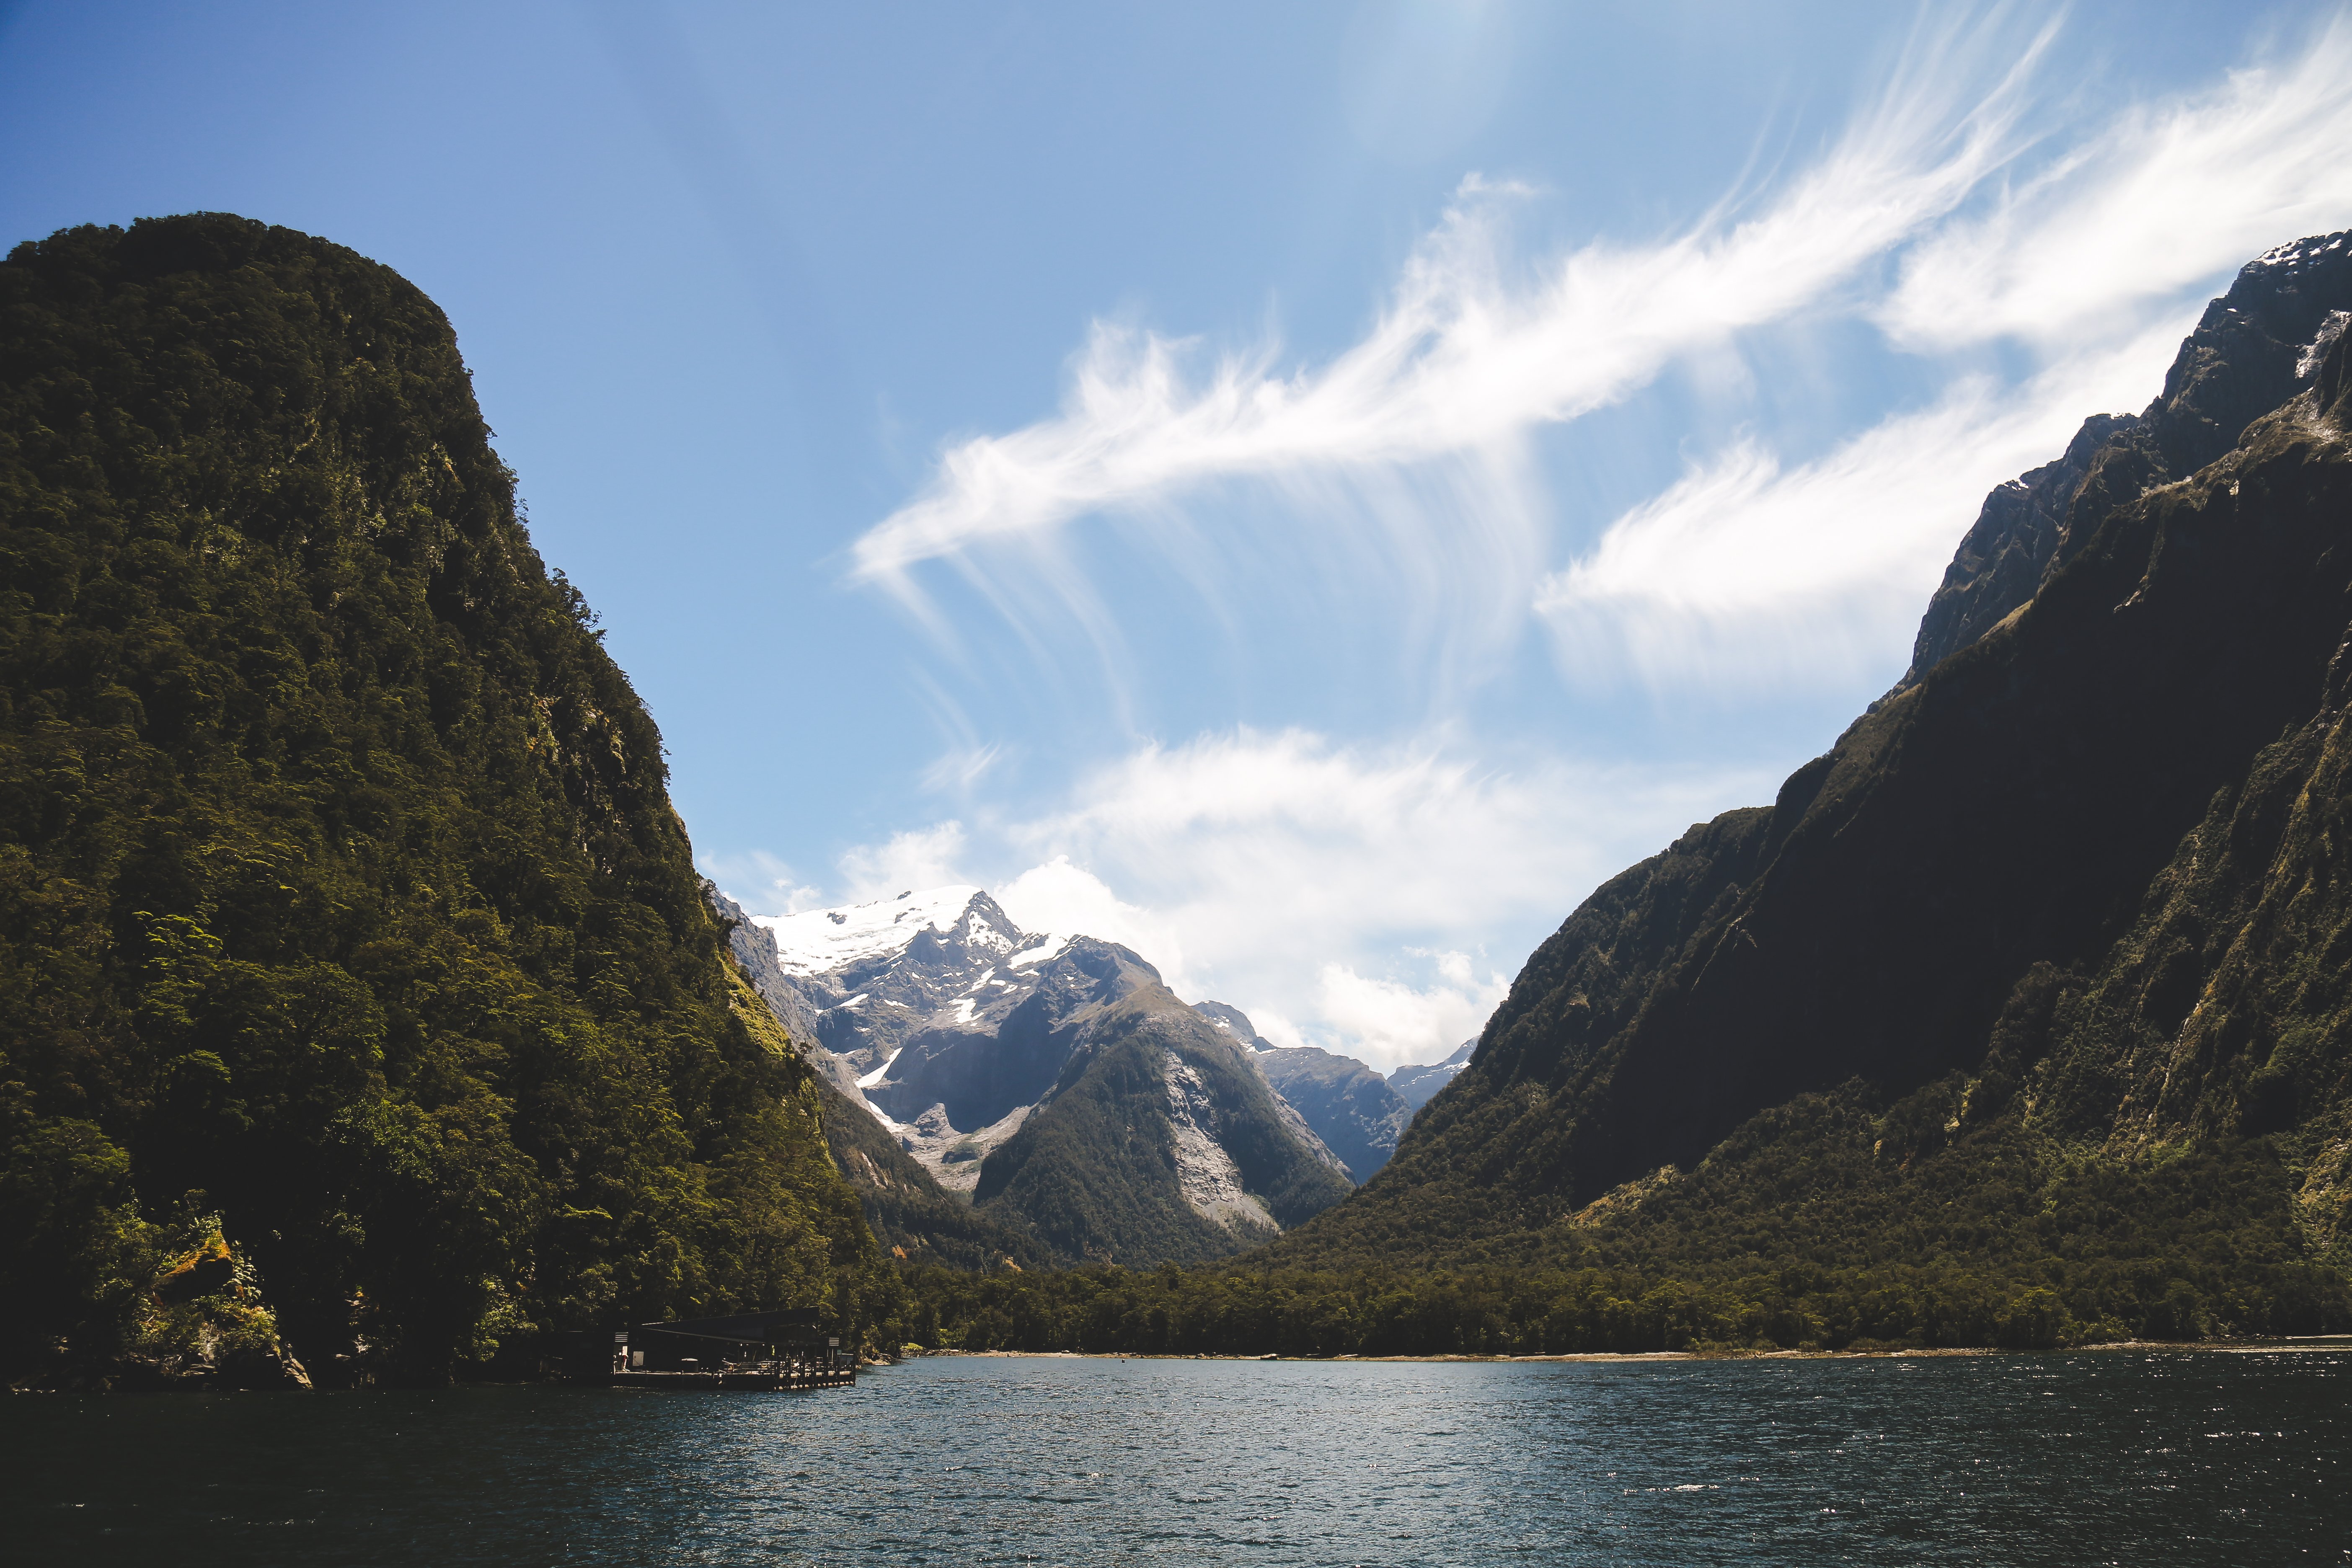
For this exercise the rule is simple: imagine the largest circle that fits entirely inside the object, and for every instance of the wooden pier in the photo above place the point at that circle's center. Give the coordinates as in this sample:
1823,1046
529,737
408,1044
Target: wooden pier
754,1352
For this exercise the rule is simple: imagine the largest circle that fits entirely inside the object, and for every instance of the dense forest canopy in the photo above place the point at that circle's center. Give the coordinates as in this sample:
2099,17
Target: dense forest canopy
345,925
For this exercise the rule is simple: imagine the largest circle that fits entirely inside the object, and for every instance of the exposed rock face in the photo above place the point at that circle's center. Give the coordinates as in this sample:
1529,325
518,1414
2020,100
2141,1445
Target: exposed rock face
1206,1175
969,1073
755,951
911,1215
1161,1139
2079,875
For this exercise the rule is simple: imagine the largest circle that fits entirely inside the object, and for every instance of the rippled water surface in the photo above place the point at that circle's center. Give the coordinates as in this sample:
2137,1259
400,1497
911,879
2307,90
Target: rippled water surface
2104,1456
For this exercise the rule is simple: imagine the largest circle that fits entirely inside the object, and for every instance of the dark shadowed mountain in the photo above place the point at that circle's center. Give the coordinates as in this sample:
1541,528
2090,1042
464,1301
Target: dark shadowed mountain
2051,941
1351,1108
1347,1105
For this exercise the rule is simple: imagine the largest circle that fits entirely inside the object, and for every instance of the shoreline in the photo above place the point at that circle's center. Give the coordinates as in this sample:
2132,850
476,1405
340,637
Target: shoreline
2313,1345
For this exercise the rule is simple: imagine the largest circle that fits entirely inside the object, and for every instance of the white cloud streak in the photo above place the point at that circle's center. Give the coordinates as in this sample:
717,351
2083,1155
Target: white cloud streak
1370,898
1409,452
1393,1023
920,857
769,883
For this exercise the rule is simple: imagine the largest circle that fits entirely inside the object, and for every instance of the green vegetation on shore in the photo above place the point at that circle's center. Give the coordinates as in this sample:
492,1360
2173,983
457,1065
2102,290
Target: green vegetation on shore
1787,1241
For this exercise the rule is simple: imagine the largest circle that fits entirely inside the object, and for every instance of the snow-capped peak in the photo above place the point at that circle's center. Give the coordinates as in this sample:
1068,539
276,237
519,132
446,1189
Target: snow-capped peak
818,941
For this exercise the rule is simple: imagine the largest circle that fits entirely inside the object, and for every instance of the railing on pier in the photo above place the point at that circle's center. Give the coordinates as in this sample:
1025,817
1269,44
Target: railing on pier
753,1350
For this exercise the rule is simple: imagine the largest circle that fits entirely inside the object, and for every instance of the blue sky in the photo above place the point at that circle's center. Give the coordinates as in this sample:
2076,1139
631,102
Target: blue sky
1307,490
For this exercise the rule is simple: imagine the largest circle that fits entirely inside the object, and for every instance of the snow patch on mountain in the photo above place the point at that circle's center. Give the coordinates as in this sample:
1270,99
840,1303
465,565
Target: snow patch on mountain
820,941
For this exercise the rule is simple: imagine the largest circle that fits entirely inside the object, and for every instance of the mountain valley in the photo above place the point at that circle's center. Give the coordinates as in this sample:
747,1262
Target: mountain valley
365,1011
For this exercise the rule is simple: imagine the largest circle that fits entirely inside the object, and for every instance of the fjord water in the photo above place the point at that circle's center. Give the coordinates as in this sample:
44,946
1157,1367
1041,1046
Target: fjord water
2103,1457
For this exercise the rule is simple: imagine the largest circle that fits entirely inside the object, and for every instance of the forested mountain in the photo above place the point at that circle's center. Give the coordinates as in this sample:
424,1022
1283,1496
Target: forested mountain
1028,1096
356,986
2042,969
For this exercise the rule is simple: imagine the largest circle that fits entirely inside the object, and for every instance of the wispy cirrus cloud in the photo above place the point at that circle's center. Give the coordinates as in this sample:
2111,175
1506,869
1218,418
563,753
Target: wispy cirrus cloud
2158,200
1749,573
1409,453
2021,272
1752,573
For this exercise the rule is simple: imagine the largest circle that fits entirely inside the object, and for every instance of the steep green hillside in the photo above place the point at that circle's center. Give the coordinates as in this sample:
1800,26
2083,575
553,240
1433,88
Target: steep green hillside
2050,942
340,895
1159,1143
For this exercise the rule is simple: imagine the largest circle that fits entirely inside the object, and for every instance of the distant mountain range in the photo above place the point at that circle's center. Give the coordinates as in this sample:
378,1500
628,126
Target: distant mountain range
2046,965
1048,1097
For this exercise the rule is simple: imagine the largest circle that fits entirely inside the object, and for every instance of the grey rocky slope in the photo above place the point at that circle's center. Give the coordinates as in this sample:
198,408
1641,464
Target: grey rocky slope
1417,1086
1422,1085
1161,1141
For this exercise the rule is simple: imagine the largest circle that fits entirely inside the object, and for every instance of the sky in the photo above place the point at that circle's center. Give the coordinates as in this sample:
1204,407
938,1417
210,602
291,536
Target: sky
1307,491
